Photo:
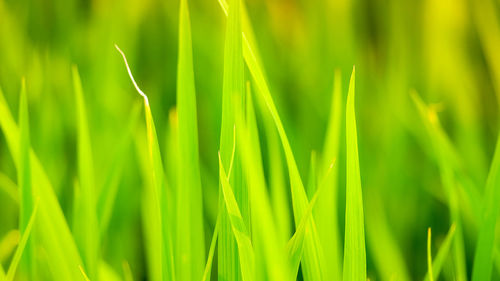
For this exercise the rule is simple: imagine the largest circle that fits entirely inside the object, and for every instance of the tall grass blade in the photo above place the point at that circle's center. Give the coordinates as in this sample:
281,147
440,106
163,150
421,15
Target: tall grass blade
484,255
24,182
159,196
190,248
86,227
232,95
326,212
354,247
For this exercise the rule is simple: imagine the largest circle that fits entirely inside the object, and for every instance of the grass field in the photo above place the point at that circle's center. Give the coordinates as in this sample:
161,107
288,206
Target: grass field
249,140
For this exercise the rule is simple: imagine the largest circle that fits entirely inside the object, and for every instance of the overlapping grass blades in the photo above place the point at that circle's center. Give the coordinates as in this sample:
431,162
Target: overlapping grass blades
86,230
158,199
232,95
190,250
62,254
441,256
239,228
484,255
313,269
24,181
354,246
22,244
265,237
444,155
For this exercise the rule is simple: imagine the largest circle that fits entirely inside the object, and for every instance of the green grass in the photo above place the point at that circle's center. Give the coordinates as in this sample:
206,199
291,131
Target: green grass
354,247
254,161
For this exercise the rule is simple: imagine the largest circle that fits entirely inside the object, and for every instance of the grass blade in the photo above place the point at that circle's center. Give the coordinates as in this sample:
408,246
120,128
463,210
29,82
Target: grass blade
483,257
190,248
326,212
232,96
159,196
86,228
354,247
441,256
24,182
22,244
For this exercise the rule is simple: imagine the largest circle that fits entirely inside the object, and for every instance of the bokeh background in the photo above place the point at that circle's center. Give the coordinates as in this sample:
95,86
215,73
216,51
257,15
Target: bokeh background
447,51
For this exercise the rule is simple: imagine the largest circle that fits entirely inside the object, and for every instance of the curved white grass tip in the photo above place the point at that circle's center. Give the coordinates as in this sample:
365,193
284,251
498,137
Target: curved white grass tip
132,77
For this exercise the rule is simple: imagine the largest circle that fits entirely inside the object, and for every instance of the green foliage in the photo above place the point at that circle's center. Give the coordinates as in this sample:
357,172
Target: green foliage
249,138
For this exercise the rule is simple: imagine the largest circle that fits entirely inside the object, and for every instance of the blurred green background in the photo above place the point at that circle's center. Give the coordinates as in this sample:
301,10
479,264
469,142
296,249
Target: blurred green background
448,51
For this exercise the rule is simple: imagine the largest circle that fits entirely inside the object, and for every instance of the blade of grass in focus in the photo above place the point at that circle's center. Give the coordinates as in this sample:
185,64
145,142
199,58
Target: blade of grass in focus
62,254
24,182
484,255
159,195
151,220
232,95
354,247
441,256
86,228
190,248
22,244
326,212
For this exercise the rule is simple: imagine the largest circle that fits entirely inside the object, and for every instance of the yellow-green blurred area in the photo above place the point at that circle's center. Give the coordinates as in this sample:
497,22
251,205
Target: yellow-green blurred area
447,52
